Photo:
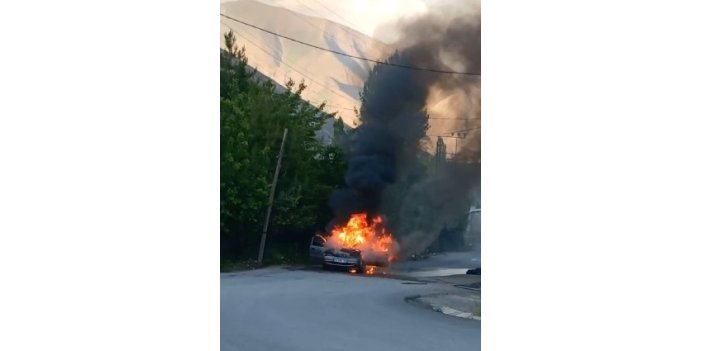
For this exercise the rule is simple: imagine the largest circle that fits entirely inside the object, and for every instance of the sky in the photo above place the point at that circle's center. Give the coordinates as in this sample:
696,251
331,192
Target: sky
362,15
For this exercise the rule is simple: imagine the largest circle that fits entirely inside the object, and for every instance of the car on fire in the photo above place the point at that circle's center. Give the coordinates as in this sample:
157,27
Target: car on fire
344,258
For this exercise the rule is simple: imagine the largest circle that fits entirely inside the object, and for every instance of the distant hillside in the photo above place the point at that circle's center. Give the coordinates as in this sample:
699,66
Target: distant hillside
337,79
326,133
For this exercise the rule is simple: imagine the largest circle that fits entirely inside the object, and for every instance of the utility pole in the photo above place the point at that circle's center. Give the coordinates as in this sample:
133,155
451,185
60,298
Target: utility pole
440,153
270,199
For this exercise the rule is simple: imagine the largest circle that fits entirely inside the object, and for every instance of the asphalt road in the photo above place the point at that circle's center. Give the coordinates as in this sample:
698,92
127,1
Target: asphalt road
280,309
442,264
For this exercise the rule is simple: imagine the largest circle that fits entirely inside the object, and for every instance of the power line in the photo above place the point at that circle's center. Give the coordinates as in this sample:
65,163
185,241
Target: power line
337,15
347,55
449,118
285,63
343,26
444,136
355,35
302,17
290,66
462,134
321,85
324,86
465,130
332,91
325,34
331,105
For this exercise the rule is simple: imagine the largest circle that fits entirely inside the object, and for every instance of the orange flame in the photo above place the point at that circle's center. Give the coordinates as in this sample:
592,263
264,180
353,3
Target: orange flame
369,236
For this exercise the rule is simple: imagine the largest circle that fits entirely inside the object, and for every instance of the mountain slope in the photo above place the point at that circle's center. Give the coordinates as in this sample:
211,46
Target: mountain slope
330,77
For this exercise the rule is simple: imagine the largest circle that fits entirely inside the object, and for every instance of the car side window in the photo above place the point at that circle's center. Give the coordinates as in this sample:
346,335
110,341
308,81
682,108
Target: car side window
318,241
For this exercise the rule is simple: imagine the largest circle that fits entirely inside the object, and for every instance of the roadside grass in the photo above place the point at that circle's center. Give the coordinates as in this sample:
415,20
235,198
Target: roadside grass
226,265
273,256
285,255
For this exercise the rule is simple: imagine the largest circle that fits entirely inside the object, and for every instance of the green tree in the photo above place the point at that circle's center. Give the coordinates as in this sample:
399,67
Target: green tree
252,118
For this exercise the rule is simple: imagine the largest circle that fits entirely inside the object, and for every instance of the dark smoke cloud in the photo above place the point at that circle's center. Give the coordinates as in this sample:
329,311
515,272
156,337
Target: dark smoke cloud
384,176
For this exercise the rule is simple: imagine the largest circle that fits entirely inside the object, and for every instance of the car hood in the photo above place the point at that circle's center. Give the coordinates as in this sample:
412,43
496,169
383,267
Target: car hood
343,252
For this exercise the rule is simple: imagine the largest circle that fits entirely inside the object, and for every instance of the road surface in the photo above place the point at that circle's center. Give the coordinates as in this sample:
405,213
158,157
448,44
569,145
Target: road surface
282,309
441,264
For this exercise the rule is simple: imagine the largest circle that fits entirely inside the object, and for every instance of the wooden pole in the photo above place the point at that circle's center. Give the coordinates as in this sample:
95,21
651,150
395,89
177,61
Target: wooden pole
270,199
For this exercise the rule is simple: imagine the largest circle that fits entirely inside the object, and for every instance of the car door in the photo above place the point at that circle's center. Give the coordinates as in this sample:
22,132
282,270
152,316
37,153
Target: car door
317,249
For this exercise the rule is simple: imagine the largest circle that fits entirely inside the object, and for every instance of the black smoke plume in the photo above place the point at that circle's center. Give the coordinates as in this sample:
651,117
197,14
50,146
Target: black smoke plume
385,175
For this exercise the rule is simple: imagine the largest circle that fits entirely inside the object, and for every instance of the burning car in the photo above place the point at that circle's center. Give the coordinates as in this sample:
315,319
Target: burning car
359,245
346,258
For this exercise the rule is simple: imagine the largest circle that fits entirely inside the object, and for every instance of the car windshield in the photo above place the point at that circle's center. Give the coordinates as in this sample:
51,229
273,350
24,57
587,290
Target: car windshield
318,241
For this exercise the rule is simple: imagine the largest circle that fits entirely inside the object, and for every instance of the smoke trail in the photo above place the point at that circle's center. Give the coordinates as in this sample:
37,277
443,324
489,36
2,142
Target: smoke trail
385,175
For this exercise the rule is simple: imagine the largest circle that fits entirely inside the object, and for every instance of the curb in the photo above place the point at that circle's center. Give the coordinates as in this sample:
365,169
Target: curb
444,309
452,312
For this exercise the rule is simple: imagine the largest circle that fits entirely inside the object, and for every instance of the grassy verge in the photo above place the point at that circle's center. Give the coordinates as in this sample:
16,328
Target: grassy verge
285,254
227,265
274,255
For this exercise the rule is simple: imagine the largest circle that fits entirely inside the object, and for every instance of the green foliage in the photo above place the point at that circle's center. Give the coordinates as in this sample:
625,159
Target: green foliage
252,118
286,253
225,265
